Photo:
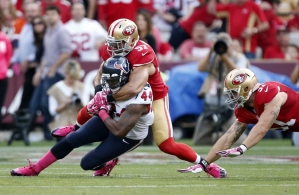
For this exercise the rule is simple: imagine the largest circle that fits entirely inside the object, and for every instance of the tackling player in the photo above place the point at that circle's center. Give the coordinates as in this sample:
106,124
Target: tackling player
123,40
270,105
120,134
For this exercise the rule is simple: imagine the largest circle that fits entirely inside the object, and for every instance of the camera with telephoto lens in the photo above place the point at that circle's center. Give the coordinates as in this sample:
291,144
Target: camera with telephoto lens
220,47
76,99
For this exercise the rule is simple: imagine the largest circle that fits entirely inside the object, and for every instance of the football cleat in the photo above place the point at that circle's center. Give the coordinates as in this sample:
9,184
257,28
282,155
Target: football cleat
24,171
105,171
216,171
61,132
212,169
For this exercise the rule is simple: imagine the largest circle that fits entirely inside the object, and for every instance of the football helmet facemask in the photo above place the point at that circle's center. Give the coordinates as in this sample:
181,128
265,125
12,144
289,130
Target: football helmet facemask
122,37
115,73
239,84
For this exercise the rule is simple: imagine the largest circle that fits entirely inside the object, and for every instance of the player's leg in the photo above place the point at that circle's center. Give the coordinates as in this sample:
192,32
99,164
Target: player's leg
94,130
103,158
82,118
163,134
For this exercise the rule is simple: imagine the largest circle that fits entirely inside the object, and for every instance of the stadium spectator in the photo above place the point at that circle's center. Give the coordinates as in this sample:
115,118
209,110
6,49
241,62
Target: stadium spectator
279,50
168,12
245,21
268,38
63,5
57,49
87,35
39,30
183,30
110,10
5,55
206,126
145,28
65,96
11,20
197,47
293,24
25,53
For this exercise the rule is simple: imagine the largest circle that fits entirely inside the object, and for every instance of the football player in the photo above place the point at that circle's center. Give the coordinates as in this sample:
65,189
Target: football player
119,131
123,40
270,105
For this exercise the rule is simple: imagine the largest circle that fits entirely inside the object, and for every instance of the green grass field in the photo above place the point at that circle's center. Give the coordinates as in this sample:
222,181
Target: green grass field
271,168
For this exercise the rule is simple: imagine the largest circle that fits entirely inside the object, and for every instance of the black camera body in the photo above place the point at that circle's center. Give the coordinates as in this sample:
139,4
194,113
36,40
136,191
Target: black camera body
220,47
76,99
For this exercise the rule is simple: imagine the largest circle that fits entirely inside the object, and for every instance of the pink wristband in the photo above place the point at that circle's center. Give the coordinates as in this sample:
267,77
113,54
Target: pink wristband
103,115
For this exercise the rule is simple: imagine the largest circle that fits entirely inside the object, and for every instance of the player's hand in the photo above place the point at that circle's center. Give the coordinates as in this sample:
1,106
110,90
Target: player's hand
52,72
92,108
100,98
233,152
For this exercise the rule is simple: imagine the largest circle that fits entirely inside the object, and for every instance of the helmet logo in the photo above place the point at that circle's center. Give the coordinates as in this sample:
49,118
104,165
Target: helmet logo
239,79
122,66
129,30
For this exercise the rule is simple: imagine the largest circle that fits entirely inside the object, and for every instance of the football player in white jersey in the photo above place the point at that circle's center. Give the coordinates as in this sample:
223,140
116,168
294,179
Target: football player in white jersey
121,126
87,35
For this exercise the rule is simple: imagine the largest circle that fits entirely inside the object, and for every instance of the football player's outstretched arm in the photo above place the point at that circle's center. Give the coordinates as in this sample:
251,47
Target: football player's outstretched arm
127,120
227,140
266,120
137,81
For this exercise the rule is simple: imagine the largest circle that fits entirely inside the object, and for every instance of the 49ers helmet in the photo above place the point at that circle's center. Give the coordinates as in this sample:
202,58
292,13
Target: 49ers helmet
122,37
115,73
239,84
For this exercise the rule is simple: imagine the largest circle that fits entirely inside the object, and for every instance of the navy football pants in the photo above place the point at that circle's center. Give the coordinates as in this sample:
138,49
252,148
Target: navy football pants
93,131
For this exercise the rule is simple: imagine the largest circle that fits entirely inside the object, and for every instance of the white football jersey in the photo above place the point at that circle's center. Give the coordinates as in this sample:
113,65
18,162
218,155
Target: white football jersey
140,130
84,37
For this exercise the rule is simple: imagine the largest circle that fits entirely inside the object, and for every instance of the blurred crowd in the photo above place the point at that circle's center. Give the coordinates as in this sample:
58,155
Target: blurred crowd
38,38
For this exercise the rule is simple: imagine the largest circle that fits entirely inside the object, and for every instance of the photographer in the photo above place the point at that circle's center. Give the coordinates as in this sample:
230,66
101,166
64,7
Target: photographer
222,58
64,96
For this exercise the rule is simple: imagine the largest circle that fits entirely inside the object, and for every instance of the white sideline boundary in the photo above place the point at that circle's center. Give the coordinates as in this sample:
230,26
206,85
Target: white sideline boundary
158,186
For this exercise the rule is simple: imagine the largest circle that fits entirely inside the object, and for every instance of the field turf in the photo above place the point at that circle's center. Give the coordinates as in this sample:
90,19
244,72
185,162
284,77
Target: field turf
271,168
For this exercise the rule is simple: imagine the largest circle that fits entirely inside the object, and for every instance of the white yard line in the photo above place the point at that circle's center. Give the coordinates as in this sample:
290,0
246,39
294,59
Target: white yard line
157,186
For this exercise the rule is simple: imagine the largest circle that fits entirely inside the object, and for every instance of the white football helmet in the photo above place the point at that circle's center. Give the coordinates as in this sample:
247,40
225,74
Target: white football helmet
122,37
239,84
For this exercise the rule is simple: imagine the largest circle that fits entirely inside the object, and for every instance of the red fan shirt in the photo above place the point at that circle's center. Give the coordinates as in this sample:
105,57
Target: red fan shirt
240,17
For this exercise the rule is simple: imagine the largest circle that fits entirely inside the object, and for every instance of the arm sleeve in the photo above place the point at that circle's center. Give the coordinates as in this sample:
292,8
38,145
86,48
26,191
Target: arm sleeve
102,5
265,93
261,16
65,42
100,32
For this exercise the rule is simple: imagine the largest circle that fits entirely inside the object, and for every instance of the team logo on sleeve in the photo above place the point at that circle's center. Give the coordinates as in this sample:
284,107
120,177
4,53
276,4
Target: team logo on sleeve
129,30
239,79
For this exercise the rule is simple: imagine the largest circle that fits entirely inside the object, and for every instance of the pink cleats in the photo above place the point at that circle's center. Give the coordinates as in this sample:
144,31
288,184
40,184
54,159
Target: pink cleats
24,171
105,171
213,170
61,132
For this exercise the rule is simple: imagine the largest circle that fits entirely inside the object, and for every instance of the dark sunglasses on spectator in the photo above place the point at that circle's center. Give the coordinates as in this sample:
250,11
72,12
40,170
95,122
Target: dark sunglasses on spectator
37,23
